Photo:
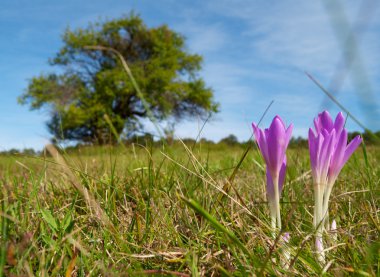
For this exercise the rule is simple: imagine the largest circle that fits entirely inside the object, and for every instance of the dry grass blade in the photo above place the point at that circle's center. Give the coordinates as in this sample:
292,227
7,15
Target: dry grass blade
70,269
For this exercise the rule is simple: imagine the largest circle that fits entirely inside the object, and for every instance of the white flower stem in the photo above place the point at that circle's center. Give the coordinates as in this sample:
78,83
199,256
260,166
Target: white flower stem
277,201
273,223
326,220
317,204
326,200
319,220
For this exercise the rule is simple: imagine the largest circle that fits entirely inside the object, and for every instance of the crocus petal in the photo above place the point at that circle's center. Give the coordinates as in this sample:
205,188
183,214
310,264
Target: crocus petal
351,148
312,147
323,142
317,125
281,178
326,153
339,123
256,131
326,121
280,119
336,163
324,148
261,141
288,135
276,145
318,149
312,134
270,186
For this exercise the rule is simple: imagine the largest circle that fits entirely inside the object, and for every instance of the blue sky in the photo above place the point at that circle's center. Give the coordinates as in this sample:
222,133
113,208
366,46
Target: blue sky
254,52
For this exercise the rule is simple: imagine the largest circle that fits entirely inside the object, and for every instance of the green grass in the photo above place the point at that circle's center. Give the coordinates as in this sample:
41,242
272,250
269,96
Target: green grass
141,210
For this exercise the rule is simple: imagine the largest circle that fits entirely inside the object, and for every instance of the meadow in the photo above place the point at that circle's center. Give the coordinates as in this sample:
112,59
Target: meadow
179,210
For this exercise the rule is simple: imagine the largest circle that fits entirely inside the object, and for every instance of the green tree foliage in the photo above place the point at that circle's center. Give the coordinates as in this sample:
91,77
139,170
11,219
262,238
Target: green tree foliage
230,140
92,83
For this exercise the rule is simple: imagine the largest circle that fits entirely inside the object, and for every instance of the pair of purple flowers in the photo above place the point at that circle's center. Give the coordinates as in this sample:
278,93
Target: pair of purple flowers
328,153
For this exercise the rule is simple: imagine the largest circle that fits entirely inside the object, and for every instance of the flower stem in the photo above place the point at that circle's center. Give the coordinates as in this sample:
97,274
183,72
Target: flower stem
319,220
326,200
273,224
317,204
277,201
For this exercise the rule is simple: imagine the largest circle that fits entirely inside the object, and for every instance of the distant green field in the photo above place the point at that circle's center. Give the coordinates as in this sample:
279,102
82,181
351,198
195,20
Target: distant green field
143,211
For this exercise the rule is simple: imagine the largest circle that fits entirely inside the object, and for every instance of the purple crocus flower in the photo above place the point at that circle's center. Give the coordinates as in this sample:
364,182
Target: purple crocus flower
334,132
272,143
329,150
328,153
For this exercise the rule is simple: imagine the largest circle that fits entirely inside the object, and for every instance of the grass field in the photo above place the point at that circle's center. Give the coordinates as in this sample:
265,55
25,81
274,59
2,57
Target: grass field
143,211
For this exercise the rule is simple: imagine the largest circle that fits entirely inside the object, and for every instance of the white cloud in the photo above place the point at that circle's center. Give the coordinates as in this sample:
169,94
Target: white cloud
299,34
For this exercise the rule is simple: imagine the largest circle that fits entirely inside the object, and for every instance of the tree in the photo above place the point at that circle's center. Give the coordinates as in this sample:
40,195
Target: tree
230,140
92,82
